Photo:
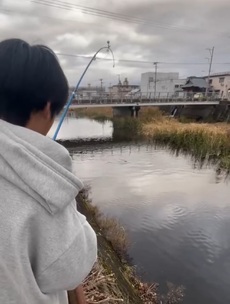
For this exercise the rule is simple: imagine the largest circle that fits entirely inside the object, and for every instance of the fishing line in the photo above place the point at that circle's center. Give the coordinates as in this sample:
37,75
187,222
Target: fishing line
66,108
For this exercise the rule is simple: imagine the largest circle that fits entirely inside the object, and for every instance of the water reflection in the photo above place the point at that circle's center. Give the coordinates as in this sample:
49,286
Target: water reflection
178,217
82,128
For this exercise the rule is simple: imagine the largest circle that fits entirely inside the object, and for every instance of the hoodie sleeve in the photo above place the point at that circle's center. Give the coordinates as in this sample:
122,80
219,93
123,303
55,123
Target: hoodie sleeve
68,251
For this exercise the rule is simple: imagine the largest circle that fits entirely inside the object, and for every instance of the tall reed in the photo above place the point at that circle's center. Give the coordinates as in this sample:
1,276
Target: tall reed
209,142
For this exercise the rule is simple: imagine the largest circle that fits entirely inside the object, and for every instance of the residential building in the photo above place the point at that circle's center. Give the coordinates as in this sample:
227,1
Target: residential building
89,92
121,90
161,85
219,84
195,85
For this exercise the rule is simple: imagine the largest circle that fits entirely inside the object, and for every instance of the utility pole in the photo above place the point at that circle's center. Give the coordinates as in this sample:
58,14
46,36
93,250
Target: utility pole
211,51
110,90
119,85
155,80
101,80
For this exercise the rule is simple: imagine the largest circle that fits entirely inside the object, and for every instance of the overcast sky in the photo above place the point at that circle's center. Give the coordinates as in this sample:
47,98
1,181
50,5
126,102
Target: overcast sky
169,31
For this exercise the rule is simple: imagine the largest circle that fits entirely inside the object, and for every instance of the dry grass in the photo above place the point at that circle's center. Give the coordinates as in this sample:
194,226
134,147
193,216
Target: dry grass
209,142
101,287
106,113
115,233
173,124
149,114
110,228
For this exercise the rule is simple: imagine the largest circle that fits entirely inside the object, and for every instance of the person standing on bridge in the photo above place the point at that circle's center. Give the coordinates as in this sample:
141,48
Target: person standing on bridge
46,246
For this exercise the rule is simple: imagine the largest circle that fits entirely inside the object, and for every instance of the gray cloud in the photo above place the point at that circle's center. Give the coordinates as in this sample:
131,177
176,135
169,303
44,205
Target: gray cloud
176,31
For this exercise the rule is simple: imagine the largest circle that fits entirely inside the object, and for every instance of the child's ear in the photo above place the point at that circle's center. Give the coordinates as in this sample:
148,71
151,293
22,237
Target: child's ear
47,111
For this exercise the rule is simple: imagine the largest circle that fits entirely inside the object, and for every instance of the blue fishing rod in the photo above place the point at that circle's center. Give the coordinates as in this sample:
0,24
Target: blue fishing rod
108,48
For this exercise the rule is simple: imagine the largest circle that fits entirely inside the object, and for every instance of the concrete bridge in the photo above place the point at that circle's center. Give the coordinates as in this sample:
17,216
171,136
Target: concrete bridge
187,107
94,103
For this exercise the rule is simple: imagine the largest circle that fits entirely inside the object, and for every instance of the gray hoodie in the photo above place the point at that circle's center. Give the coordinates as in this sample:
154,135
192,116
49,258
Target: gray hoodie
46,245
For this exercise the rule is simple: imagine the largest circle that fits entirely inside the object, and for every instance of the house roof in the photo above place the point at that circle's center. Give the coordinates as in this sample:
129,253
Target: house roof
198,82
219,74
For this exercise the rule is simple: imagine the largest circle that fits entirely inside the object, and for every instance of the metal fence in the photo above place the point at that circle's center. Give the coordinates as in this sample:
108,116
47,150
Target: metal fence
148,98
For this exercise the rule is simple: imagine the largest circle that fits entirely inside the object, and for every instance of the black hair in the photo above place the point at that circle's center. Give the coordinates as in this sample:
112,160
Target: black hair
30,77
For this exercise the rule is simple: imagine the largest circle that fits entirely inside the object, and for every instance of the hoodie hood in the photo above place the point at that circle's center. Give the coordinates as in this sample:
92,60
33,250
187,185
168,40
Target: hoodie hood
38,166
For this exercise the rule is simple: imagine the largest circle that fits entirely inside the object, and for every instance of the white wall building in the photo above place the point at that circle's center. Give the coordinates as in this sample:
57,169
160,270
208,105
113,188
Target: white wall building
89,92
220,84
167,85
122,90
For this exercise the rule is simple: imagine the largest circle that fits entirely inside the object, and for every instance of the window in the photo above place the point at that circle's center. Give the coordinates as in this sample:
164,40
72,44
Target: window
210,81
150,79
221,80
177,86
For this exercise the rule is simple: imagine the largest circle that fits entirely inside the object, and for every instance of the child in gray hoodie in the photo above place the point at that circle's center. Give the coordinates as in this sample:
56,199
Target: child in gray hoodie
46,246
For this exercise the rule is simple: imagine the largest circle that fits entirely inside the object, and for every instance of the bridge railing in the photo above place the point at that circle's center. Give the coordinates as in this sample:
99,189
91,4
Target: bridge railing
148,98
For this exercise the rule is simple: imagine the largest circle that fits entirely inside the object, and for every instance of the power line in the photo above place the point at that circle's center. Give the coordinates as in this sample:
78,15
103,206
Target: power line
117,18
20,12
89,12
114,14
138,21
142,61
120,60
107,14
9,11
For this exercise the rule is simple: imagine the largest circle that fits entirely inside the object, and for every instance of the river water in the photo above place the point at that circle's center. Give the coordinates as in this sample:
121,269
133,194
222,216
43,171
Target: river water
176,215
